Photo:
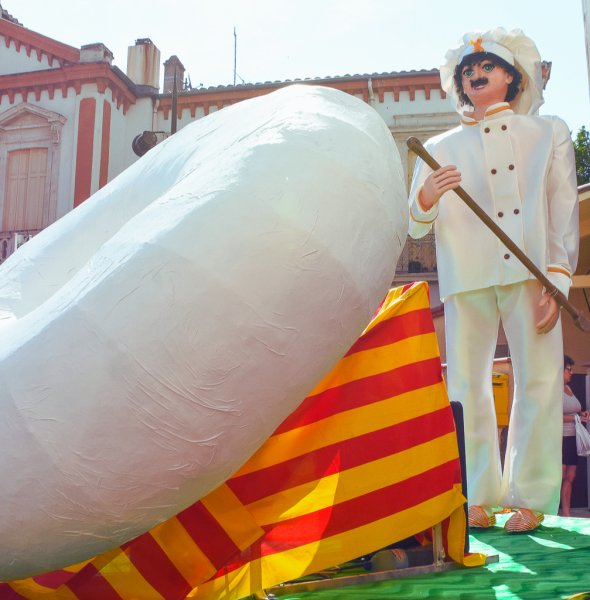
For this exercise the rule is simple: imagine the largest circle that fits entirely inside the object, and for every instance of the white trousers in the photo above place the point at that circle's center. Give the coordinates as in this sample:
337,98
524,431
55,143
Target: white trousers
532,469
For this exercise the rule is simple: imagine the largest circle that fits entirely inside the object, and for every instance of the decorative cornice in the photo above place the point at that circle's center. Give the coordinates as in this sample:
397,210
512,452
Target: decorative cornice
54,120
426,82
356,85
31,40
102,74
428,125
25,108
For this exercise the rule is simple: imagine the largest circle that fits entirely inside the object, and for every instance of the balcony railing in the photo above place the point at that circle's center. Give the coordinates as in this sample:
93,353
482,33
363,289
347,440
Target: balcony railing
418,256
11,240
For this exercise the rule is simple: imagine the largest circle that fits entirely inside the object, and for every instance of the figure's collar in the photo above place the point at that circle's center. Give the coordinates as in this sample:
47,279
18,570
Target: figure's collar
500,110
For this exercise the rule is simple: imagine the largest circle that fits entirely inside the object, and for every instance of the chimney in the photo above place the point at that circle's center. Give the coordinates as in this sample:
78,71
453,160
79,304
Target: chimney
95,53
546,72
143,64
169,66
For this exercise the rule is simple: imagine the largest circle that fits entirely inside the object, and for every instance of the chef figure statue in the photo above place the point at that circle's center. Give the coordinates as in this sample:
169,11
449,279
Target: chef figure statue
520,168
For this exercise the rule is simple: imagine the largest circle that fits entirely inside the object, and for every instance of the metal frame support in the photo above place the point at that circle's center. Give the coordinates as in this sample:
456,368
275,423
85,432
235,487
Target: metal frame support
313,585
296,587
438,549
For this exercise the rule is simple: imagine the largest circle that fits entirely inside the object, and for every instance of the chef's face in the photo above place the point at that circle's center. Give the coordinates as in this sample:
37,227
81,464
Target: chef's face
485,83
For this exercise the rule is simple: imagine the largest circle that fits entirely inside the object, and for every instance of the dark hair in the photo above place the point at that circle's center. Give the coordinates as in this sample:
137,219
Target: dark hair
478,57
568,361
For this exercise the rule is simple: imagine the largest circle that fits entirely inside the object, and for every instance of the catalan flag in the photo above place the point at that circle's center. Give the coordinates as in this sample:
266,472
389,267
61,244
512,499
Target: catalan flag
369,458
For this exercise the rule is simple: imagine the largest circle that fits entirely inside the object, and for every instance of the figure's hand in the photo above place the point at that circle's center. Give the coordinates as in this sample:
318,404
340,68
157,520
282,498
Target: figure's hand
548,322
436,184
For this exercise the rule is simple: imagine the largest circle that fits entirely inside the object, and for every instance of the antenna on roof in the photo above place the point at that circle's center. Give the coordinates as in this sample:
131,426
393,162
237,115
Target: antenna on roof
235,53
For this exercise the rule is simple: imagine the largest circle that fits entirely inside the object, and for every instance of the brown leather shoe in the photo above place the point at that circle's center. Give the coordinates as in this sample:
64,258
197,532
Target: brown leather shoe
524,520
480,517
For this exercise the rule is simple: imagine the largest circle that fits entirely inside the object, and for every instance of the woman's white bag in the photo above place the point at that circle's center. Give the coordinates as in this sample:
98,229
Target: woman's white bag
582,438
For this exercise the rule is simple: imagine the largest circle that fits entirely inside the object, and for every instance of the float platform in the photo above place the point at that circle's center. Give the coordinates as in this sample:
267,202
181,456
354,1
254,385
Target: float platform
549,563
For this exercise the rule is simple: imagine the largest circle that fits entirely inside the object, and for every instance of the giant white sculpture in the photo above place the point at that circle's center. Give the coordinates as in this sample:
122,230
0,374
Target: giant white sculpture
152,339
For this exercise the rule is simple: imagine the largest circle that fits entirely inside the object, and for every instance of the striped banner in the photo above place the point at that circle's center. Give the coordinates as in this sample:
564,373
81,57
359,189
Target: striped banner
369,458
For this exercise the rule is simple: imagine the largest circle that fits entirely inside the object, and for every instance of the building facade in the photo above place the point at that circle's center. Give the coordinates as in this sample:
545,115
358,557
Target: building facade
68,117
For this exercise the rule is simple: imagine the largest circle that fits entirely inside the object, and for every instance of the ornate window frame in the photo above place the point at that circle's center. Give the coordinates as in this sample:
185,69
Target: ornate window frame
43,135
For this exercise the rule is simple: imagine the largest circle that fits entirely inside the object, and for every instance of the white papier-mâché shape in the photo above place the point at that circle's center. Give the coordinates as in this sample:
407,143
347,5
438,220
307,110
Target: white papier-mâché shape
153,338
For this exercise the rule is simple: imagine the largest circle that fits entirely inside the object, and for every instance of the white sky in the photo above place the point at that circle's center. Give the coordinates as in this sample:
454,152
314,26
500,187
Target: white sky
280,40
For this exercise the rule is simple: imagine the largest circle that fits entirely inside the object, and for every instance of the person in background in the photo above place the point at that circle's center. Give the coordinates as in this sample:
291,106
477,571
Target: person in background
569,452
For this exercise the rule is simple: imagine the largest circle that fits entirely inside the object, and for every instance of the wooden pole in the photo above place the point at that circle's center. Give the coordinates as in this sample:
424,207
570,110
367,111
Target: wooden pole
581,322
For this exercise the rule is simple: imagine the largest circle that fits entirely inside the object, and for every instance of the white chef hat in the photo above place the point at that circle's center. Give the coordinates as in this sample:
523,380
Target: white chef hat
516,49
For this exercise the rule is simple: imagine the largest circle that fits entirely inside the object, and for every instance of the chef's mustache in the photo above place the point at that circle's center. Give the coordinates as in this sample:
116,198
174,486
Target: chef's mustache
480,81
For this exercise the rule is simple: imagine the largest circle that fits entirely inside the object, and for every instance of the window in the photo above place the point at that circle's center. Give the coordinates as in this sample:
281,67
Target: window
26,187
30,146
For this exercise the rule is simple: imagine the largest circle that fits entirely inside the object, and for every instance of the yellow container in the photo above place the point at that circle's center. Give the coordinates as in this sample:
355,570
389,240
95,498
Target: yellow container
500,388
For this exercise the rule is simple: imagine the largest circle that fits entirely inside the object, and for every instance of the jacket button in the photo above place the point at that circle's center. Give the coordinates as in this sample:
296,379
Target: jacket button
487,130
500,214
494,171
516,211
504,128
511,167
506,256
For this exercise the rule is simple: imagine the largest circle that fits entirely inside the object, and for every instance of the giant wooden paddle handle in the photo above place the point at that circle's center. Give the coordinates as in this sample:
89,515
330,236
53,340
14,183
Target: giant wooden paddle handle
581,322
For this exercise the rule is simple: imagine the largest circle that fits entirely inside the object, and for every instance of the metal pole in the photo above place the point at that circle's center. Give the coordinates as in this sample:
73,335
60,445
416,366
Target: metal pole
235,54
437,545
174,105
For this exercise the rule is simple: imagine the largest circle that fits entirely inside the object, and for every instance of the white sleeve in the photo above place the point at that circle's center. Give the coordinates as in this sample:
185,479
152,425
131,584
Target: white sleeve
563,209
420,221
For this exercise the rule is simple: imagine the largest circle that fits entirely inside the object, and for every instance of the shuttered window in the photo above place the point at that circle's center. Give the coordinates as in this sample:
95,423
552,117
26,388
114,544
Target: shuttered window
25,187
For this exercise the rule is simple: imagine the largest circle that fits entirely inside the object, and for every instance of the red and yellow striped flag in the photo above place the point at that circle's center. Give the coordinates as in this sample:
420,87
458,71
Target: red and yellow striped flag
369,458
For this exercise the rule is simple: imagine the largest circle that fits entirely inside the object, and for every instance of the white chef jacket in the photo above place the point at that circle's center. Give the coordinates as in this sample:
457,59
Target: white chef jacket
521,170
